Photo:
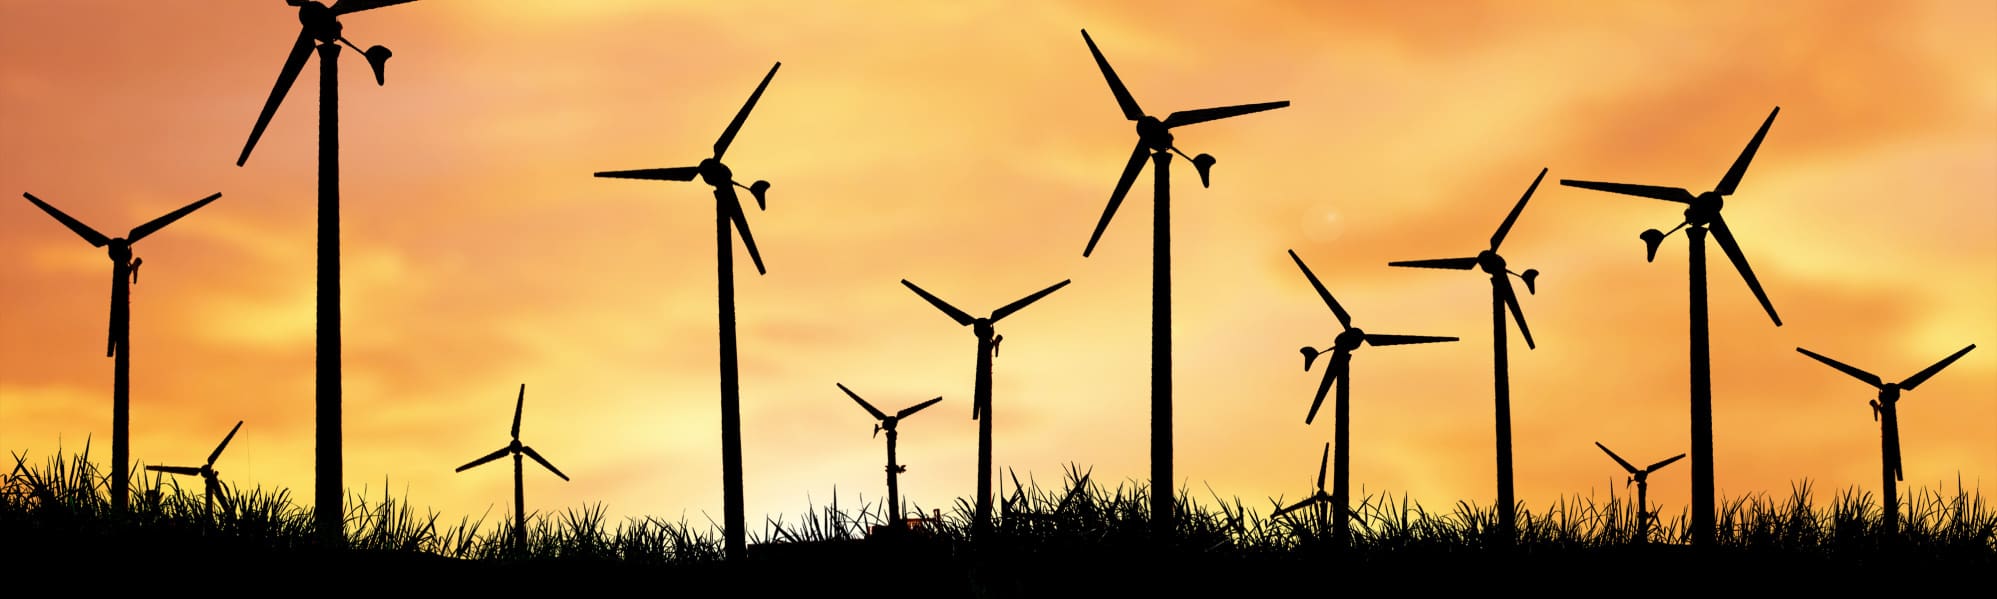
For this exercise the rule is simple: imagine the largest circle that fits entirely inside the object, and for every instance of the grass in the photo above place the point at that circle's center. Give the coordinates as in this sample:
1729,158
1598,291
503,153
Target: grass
61,505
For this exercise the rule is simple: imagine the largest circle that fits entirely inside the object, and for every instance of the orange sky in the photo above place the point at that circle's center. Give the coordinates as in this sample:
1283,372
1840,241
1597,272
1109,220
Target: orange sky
970,147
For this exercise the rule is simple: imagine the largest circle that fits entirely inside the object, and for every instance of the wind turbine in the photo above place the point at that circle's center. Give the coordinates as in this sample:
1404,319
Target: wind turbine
118,345
1701,211
727,213
210,478
1154,136
1502,297
981,402
1885,409
1339,370
1320,499
887,423
516,450
1642,488
321,28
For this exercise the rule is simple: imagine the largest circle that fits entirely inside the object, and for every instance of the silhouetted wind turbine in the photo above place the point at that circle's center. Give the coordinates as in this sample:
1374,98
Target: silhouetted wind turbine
1885,409
1642,488
321,28
210,478
981,396
887,423
1502,296
1154,136
727,210
1340,371
118,344
1701,211
1320,499
516,450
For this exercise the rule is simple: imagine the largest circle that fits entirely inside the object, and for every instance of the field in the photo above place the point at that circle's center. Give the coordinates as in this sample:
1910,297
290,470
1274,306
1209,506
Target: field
55,517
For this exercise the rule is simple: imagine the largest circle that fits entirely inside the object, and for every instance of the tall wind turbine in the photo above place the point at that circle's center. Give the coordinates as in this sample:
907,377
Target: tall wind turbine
1640,476
1502,297
1339,370
727,213
118,344
321,29
981,397
887,423
516,450
211,479
1154,136
1702,211
1885,409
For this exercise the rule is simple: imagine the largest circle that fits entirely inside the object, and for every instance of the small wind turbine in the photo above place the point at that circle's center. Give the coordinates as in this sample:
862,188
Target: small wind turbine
320,27
981,408
1642,488
887,423
516,450
1339,371
1319,500
1885,409
1701,211
1502,297
1154,136
728,217
210,478
118,345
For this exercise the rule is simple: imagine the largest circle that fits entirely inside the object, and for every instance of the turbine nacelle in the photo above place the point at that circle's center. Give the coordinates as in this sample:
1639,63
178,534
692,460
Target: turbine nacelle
319,21
1154,133
714,173
1350,339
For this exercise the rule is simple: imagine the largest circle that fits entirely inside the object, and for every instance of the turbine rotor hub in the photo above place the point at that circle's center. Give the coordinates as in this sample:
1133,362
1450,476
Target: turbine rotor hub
1350,339
713,172
121,251
1704,208
1153,133
319,22
982,328
1491,262
1889,392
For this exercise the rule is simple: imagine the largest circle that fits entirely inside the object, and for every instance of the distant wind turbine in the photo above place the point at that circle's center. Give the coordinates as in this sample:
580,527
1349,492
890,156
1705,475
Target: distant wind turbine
1640,477
1886,410
888,423
118,345
981,401
211,483
516,449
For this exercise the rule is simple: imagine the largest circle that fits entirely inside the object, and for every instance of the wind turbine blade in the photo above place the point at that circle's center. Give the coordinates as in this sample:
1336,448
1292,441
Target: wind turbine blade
728,136
1321,463
1024,301
948,310
353,6
1188,117
519,405
88,234
187,470
1123,99
1344,320
679,173
1123,182
141,231
1498,238
906,412
295,62
1331,374
1732,180
1666,462
1869,378
1732,248
1511,298
488,457
1655,192
863,403
1385,340
1893,444
734,208
1922,377
1619,459
225,444
1442,263
543,461
1294,507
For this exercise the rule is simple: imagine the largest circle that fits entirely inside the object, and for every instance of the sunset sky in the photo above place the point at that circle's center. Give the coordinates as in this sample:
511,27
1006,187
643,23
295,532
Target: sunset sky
970,147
